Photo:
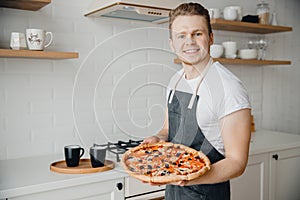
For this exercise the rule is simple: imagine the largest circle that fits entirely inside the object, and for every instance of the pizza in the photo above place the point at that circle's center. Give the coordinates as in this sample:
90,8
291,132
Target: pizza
165,162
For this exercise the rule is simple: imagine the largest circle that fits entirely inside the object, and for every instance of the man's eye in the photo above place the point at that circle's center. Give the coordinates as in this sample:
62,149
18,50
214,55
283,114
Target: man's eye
198,34
180,36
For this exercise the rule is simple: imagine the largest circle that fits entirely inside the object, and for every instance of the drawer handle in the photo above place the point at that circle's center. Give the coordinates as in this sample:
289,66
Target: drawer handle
275,156
120,186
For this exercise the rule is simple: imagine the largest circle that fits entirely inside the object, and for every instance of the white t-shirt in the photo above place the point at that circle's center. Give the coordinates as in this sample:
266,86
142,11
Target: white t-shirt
220,93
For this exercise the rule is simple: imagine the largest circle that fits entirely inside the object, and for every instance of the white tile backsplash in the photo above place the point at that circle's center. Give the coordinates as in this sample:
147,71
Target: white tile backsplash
123,67
27,66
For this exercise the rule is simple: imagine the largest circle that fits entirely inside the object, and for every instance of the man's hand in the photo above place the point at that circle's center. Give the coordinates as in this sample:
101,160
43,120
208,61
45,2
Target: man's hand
180,183
151,140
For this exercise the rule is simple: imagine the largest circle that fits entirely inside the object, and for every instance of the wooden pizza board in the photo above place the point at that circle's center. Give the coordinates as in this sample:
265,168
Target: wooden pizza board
84,167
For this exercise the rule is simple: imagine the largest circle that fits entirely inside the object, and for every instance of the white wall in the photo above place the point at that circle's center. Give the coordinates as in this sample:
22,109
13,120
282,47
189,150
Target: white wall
37,110
281,102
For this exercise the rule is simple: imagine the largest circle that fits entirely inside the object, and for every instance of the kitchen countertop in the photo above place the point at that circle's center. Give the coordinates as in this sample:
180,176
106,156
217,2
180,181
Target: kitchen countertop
263,141
30,175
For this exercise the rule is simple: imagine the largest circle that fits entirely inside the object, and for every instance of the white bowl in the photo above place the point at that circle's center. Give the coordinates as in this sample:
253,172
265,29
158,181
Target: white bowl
248,53
216,50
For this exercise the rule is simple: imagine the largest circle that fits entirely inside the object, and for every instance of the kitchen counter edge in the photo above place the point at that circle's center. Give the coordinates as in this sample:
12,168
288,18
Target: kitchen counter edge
263,141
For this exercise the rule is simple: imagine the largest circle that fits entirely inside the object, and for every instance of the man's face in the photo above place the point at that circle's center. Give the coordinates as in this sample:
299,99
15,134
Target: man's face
190,38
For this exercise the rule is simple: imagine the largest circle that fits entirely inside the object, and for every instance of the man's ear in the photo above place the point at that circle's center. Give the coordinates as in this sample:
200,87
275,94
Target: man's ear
171,44
211,38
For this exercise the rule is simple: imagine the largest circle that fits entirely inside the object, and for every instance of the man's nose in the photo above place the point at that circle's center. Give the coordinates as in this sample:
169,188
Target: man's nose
190,39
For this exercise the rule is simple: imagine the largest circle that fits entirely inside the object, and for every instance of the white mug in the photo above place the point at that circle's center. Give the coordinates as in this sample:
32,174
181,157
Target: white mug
230,13
239,11
214,13
36,39
230,49
17,41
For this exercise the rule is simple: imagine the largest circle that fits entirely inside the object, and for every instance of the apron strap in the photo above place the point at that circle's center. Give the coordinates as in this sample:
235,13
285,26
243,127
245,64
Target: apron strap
202,75
175,86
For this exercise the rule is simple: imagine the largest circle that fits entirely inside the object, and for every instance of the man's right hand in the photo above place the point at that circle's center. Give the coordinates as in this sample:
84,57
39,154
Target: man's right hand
151,140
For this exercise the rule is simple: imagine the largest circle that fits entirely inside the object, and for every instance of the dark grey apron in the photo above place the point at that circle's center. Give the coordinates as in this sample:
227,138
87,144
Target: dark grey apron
184,129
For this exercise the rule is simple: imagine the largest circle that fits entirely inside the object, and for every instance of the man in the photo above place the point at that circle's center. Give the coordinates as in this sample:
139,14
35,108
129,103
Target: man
208,108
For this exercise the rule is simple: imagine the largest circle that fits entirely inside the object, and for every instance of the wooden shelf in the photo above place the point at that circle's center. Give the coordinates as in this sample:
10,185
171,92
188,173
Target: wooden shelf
32,5
237,26
246,62
252,62
9,53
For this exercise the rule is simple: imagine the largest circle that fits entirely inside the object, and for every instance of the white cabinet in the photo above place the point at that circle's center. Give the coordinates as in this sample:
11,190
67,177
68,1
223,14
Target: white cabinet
253,184
285,174
106,190
269,176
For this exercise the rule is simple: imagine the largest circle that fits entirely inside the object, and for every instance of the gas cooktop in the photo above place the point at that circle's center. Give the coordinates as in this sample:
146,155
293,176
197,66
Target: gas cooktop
120,147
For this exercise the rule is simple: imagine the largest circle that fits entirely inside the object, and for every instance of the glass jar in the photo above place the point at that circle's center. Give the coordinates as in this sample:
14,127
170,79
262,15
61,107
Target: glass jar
263,12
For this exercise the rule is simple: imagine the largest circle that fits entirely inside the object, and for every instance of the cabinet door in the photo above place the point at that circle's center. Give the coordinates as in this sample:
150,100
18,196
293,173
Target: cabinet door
106,190
285,174
253,184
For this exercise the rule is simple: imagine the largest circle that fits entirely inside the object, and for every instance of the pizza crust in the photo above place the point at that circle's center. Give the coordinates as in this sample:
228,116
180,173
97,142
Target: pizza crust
170,177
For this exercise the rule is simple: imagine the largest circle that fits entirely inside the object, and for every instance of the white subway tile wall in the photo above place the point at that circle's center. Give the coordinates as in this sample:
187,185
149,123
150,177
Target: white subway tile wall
116,89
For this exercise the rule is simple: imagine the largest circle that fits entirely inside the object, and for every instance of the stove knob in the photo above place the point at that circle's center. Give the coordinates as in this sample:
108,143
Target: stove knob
120,186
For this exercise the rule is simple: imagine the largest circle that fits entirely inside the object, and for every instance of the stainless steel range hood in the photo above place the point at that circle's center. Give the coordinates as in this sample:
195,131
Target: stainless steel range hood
156,11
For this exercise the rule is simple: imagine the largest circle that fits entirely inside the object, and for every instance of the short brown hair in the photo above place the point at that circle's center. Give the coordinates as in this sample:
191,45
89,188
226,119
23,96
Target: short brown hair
189,9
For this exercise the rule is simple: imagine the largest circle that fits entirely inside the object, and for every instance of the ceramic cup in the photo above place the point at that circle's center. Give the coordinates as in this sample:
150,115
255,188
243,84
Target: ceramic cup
230,49
73,153
216,50
239,12
97,154
17,41
36,39
214,13
230,13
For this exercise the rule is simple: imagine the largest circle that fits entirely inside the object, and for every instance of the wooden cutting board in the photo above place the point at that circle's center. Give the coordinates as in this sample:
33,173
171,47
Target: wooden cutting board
84,167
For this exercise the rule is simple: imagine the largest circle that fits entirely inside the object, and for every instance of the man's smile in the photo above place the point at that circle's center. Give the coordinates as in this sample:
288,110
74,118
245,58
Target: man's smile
191,51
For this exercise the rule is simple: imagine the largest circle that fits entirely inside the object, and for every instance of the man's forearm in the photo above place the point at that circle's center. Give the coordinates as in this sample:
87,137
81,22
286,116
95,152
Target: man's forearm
163,135
221,171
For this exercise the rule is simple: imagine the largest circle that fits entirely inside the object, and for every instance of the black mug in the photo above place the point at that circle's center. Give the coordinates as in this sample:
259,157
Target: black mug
98,155
73,153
